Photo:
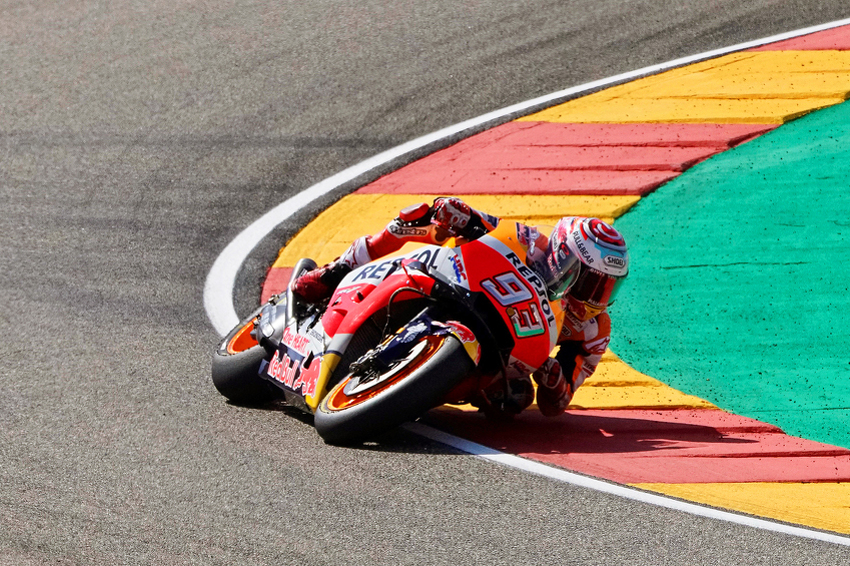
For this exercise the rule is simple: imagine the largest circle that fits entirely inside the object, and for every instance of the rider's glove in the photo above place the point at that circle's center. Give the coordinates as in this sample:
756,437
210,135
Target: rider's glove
451,214
554,391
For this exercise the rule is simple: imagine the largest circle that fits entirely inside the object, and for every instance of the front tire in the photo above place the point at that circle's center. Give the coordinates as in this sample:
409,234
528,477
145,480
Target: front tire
359,407
236,365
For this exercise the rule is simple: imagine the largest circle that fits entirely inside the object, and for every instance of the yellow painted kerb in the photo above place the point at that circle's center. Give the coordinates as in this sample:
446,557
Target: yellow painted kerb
819,505
771,87
326,237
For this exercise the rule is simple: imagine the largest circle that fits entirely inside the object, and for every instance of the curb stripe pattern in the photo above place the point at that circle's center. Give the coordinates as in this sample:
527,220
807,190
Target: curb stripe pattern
565,476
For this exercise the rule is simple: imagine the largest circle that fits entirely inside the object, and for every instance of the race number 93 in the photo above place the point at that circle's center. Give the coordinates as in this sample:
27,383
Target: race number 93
509,291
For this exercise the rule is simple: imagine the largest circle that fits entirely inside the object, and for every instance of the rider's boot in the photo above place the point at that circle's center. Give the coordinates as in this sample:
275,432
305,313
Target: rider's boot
320,283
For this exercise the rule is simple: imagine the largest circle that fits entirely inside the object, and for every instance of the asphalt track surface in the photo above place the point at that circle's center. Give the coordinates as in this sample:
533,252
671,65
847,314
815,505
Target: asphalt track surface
136,142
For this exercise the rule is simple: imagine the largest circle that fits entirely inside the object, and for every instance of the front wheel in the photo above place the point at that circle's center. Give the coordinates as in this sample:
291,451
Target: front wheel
366,403
236,365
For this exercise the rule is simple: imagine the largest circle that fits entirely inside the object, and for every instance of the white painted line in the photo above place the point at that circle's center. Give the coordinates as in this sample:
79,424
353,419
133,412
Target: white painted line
219,286
218,290
565,476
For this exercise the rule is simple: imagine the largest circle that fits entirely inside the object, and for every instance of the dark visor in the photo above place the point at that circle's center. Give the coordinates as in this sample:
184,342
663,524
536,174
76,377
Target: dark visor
595,287
558,268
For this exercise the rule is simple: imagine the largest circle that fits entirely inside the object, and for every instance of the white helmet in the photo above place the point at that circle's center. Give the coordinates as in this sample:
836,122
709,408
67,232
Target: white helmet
584,261
605,265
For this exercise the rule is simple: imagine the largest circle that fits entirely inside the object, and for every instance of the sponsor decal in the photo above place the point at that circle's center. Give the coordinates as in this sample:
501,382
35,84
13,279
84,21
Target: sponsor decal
315,334
573,320
350,289
413,332
428,257
402,231
378,271
518,368
512,257
614,261
292,374
374,271
457,265
461,331
582,249
467,338
295,341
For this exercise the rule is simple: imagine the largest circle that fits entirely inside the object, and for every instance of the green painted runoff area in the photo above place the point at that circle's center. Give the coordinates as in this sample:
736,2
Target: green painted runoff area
739,289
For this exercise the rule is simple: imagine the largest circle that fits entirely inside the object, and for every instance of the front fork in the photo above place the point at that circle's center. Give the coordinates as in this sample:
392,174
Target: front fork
399,345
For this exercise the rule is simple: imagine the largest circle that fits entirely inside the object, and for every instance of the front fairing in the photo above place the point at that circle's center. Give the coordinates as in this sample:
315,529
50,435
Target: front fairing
300,364
311,347
494,265
357,286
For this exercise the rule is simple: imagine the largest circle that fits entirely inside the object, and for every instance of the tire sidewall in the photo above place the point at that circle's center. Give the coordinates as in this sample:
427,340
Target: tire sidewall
402,401
236,375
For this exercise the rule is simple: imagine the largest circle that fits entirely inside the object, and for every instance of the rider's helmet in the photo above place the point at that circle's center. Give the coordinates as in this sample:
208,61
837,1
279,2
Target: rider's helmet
583,261
605,265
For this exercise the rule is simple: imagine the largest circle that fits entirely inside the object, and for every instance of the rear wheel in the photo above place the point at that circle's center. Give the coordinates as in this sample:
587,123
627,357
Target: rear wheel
368,402
236,365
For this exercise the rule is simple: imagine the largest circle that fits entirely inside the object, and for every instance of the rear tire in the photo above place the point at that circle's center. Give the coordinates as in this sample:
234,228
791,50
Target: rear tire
236,365
353,411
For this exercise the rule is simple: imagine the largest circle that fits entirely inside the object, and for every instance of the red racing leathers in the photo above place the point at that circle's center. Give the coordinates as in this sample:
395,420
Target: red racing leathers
581,343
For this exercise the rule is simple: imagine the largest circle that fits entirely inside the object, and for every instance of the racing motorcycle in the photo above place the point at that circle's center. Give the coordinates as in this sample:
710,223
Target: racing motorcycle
398,337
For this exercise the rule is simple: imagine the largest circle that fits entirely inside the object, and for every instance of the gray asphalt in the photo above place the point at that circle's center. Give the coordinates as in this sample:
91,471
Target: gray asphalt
136,140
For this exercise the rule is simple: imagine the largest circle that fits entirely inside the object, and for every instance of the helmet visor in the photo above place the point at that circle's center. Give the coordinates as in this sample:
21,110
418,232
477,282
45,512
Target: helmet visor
557,266
596,288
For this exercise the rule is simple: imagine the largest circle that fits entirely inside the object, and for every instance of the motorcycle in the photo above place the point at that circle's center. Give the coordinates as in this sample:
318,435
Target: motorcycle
398,337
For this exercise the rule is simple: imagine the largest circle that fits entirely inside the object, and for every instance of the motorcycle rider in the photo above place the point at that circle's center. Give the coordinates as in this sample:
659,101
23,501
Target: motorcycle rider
583,262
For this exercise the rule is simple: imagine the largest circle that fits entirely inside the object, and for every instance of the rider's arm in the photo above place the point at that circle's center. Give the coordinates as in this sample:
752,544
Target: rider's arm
435,224
559,377
460,219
